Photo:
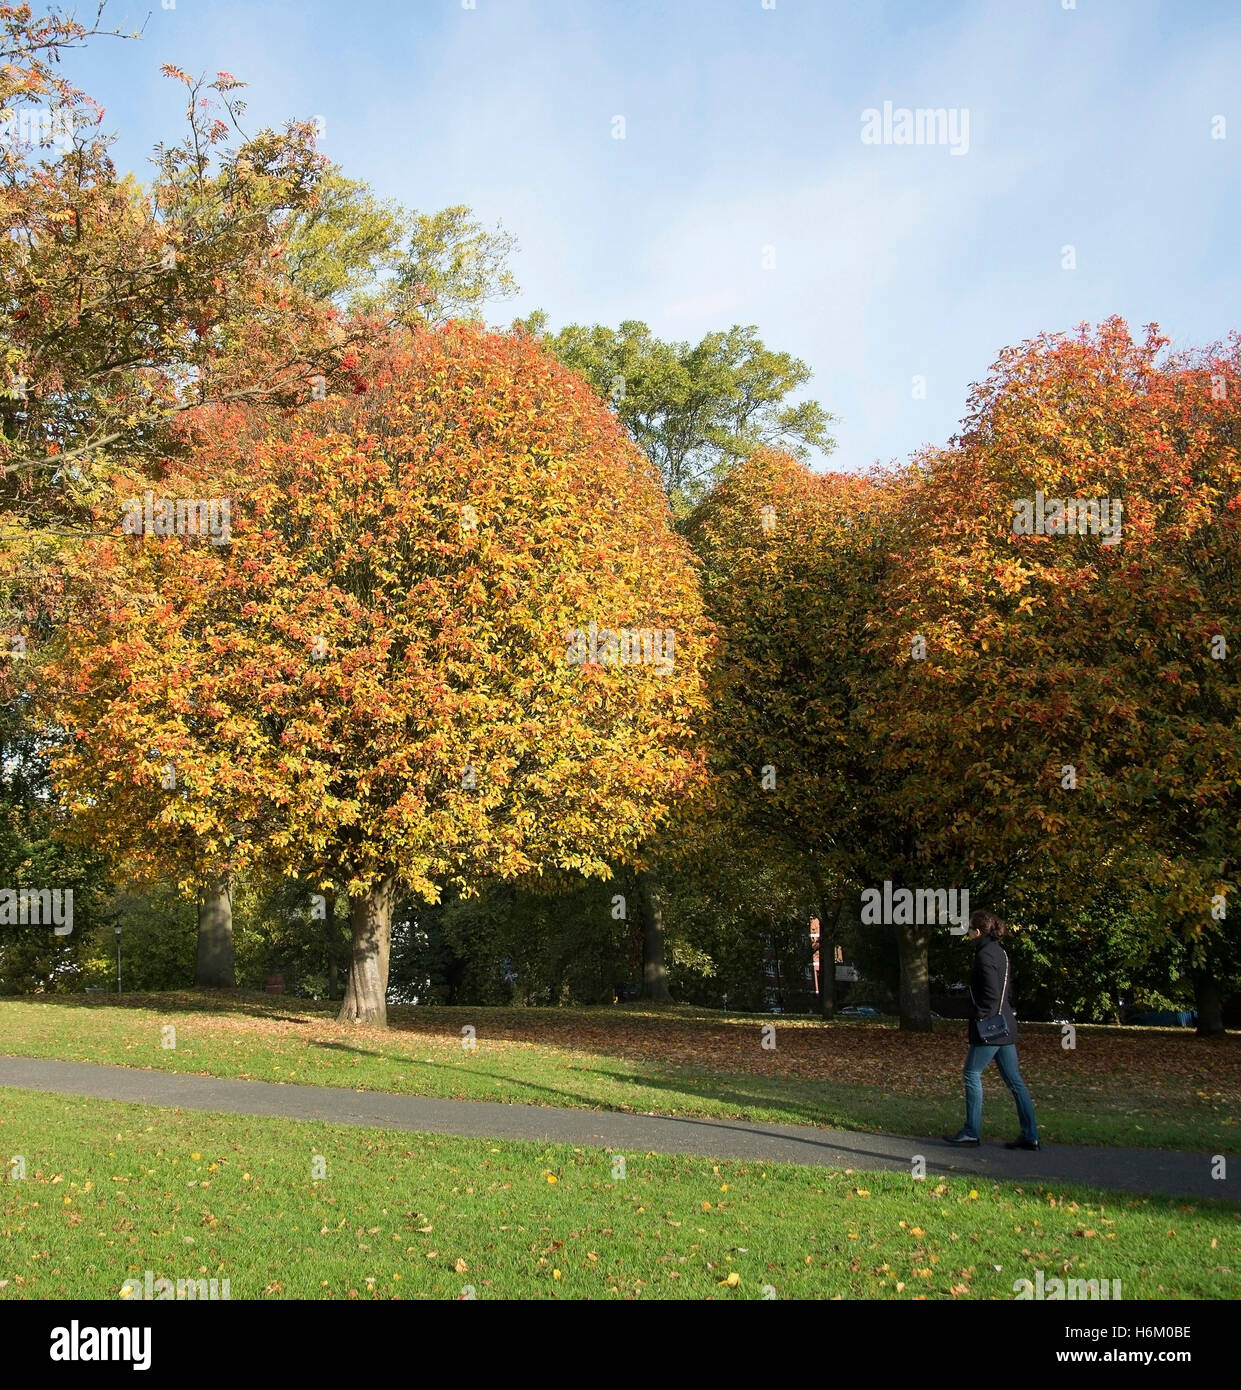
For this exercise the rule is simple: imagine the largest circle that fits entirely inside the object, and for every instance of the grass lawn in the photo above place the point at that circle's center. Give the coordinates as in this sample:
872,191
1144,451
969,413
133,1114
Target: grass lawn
114,1190
1131,1086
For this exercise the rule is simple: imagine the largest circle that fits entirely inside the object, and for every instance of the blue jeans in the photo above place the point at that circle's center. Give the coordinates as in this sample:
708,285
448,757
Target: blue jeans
976,1061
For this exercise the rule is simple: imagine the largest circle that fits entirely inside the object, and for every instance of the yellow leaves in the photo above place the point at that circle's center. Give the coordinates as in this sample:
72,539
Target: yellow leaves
195,1157
555,1274
551,1177
916,1231
861,1191
461,1267
367,564
723,1187
733,1281
973,1197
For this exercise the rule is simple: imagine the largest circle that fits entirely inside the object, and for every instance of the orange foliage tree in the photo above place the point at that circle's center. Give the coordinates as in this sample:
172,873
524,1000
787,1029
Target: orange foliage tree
948,685
451,636
1079,685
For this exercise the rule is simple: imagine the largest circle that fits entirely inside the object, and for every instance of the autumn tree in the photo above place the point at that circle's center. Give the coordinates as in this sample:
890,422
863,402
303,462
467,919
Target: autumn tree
125,306
694,409
452,636
793,565
1078,682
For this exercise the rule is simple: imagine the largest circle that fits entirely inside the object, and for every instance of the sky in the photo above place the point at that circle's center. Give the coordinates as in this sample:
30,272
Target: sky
1092,180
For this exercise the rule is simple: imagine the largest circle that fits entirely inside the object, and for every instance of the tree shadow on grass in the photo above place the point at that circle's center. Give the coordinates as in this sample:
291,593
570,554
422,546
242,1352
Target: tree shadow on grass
727,1092
224,1002
848,1147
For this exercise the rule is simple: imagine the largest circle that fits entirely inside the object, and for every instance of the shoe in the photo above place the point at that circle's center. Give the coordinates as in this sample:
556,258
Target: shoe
966,1141
1032,1144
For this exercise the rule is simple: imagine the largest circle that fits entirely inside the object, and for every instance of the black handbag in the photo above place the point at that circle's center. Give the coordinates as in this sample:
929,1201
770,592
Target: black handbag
994,1030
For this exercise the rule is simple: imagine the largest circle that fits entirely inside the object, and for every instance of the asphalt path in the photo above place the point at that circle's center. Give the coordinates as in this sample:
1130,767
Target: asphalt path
1178,1173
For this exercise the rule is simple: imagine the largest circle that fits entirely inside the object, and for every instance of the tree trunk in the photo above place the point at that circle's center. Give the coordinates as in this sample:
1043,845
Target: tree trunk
366,990
828,923
329,927
911,942
654,976
454,978
214,967
1209,1001
829,919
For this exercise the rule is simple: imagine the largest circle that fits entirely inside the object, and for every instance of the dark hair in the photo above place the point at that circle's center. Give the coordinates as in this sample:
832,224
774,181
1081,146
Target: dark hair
987,923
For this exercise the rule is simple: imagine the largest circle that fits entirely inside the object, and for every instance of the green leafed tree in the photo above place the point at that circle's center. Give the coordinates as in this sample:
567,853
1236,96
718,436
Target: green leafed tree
377,259
694,409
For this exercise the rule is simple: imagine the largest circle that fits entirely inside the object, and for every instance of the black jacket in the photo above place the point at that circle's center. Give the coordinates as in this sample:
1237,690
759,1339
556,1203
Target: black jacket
986,982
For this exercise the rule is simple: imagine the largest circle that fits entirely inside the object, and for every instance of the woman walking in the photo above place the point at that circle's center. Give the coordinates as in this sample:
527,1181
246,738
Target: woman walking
993,1034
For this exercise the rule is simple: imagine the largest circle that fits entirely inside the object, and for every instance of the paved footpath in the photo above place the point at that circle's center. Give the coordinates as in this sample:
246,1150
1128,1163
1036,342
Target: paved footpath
1172,1172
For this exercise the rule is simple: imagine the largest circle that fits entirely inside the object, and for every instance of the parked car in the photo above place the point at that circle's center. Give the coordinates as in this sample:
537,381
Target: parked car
858,1011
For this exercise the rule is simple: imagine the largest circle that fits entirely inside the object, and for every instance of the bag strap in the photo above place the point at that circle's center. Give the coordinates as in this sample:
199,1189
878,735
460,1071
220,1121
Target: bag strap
1003,988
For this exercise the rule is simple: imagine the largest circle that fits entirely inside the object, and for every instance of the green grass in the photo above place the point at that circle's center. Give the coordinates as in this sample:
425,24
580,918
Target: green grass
113,1190
1142,1087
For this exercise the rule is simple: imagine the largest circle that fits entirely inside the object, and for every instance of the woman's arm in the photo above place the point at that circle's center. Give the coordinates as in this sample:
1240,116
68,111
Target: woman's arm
988,992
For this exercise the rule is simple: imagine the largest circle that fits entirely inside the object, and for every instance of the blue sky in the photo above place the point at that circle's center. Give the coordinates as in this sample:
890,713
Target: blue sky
1089,127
